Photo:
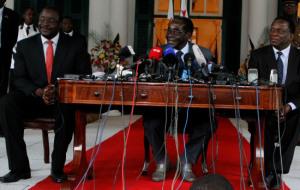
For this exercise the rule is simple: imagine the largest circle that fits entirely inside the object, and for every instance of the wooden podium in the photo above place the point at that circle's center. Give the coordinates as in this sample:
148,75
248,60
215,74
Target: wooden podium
78,92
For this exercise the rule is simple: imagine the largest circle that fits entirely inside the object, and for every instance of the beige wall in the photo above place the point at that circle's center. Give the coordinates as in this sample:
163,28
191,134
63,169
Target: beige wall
257,16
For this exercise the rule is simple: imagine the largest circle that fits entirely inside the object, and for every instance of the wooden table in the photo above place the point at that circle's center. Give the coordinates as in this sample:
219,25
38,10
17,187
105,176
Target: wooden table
77,92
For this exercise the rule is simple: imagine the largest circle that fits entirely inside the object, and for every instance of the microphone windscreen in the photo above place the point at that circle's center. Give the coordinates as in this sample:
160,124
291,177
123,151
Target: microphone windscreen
126,52
169,56
188,58
155,53
199,55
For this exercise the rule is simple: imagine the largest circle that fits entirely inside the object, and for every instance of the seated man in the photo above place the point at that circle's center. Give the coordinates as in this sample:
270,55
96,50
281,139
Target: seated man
39,61
285,58
180,30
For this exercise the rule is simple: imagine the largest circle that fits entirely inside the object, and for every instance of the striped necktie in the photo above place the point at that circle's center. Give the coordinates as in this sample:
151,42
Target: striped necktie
280,67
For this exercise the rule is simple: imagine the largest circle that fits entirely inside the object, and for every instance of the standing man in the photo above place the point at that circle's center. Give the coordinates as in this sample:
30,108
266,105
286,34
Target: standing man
68,28
285,58
9,21
179,33
39,61
26,29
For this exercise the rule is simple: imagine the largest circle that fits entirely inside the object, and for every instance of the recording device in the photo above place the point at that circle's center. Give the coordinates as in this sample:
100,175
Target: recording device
274,76
252,76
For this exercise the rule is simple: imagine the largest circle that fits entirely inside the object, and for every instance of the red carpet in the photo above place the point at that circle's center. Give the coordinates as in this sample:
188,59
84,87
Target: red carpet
110,157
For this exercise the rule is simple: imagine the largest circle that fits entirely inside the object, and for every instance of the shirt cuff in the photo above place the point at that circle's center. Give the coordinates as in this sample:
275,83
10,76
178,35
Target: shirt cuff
292,105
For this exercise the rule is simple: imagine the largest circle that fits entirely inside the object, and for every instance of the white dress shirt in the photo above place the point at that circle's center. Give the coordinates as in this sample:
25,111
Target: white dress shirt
21,36
45,44
285,60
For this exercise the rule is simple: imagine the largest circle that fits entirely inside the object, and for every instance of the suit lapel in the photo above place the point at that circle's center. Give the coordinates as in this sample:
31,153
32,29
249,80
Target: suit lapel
40,57
60,54
291,64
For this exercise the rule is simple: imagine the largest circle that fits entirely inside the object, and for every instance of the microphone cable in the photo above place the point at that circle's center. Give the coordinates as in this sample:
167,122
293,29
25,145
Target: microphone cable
177,172
236,100
260,138
186,124
99,135
278,144
135,81
213,127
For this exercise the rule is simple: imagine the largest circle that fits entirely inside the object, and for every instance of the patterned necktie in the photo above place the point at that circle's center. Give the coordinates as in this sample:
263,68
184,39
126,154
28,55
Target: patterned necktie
49,60
27,30
280,67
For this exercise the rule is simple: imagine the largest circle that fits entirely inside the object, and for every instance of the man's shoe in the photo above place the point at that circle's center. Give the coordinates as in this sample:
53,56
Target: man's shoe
58,177
273,181
14,176
187,172
160,172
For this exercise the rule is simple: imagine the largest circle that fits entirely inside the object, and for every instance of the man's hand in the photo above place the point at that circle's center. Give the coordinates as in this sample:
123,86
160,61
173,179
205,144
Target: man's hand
284,110
49,95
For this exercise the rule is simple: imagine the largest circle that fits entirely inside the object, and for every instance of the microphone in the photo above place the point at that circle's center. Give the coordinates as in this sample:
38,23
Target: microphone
200,60
188,59
253,76
274,76
155,53
126,52
169,57
199,56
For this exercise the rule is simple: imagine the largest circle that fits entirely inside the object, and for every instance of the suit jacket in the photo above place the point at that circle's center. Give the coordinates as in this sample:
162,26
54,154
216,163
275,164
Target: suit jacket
264,60
9,34
30,68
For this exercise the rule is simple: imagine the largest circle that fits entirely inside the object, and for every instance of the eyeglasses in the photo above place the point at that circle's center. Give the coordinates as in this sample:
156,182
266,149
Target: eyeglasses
175,31
279,31
47,20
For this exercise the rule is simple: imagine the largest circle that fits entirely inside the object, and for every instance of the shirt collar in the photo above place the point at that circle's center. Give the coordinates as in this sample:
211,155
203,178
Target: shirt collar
25,26
70,33
184,50
285,52
54,39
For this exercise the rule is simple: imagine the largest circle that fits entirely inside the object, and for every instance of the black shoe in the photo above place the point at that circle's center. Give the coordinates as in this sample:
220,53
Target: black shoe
160,172
58,177
187,172
14,176
273,181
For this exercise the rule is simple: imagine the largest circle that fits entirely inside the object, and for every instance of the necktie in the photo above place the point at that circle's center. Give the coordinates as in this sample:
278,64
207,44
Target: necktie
27,30
182,71
49,60
280,67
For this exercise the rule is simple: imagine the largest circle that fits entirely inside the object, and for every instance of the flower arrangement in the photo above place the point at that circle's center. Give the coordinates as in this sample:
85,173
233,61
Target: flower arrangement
104,55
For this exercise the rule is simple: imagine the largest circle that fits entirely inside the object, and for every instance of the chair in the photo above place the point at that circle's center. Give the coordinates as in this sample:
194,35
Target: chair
44,124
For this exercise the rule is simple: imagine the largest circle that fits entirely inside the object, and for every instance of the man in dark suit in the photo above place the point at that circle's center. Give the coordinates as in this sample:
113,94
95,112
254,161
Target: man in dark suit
67,27
9,21
39,61
285,58
179,33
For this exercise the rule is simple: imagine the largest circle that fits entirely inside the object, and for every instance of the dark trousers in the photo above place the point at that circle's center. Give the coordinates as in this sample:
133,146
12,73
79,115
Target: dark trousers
14,108
289,131
199,129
